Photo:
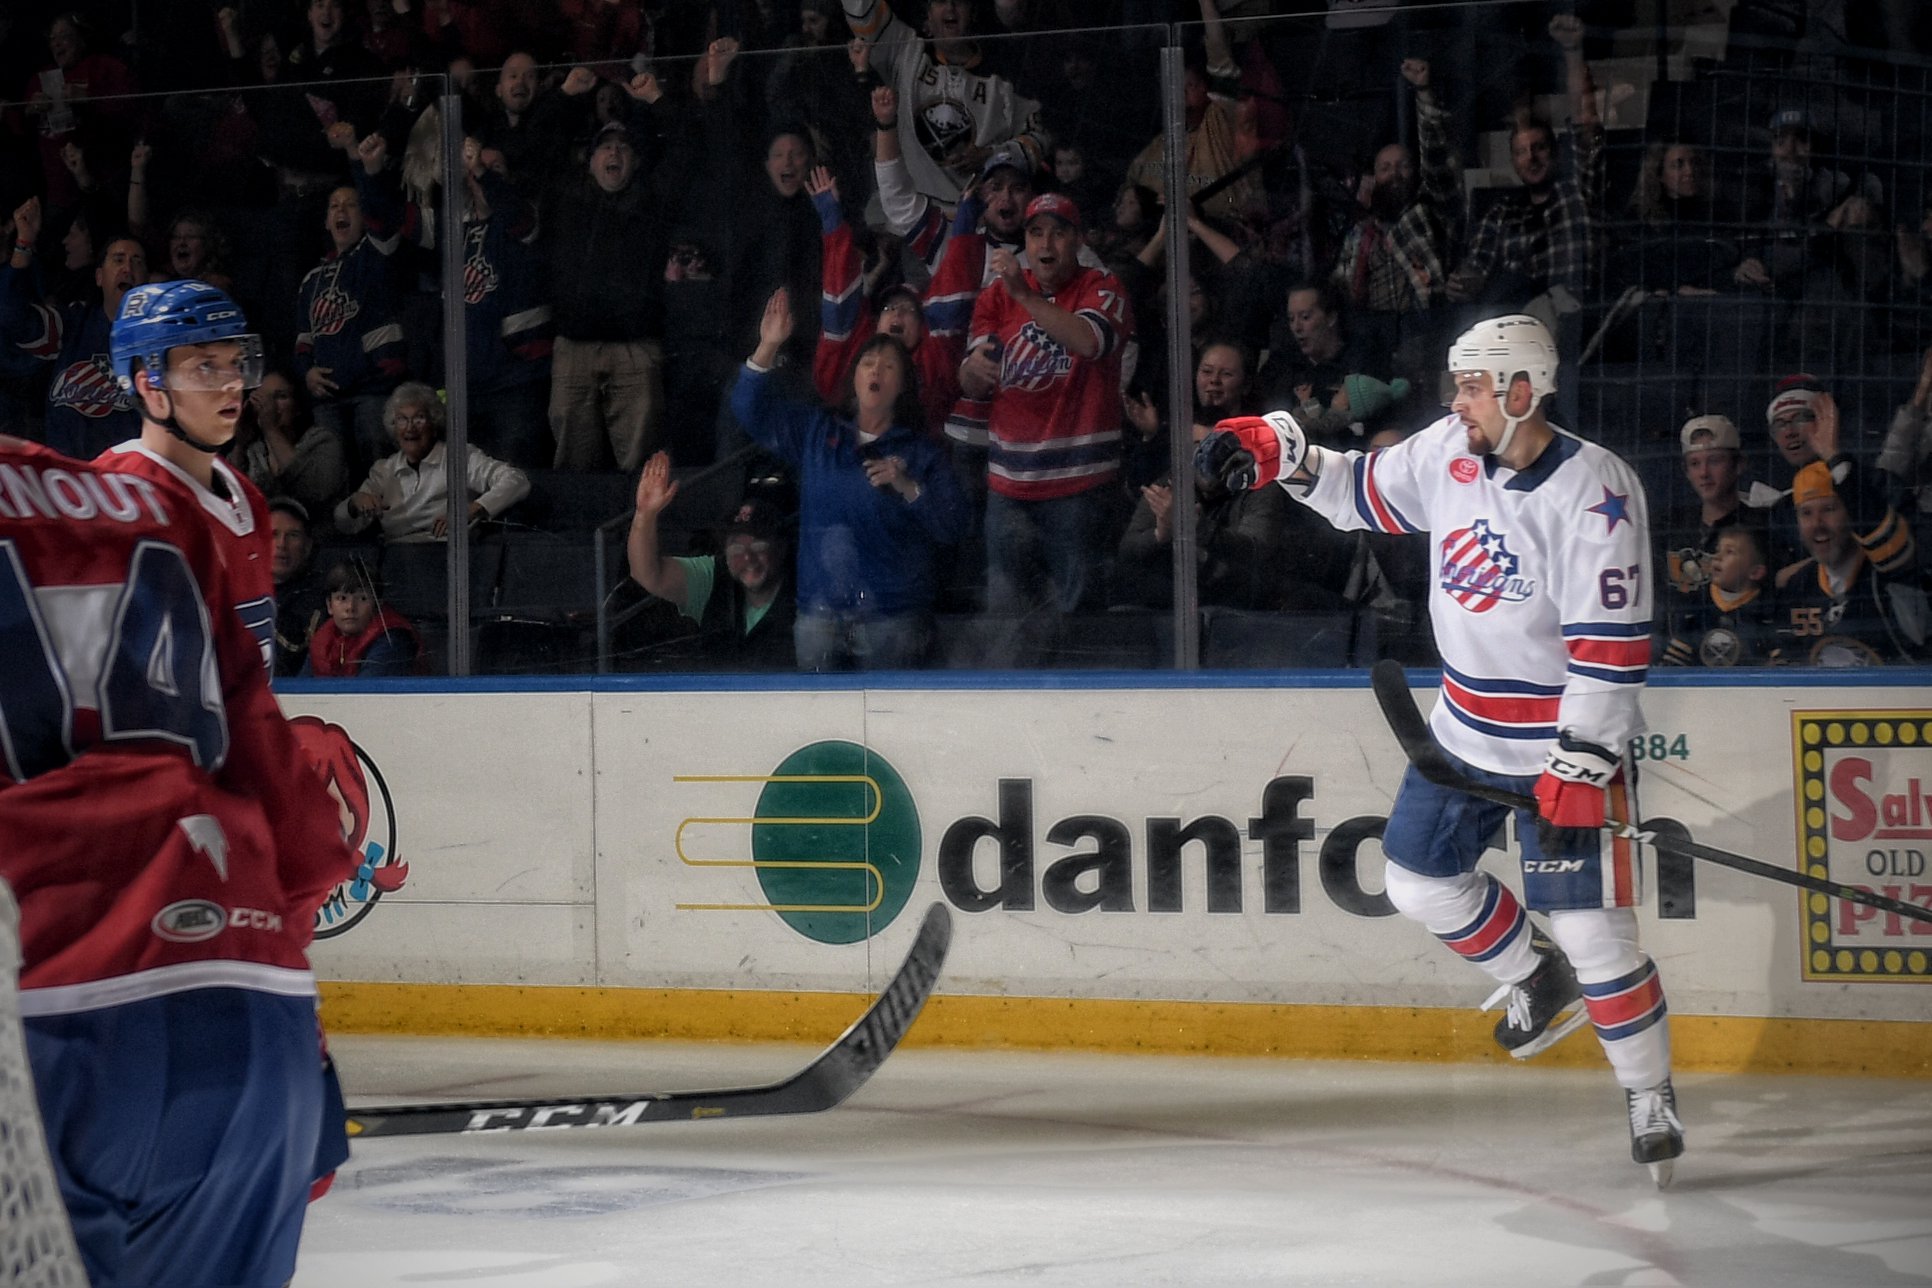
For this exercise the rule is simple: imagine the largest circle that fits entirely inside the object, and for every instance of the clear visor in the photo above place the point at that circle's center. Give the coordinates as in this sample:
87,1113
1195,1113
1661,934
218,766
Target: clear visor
215,367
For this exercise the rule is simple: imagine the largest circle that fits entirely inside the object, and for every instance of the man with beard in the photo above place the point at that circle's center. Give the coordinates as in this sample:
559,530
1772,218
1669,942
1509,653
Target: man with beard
87,411
1803,217
1393,261
1544,235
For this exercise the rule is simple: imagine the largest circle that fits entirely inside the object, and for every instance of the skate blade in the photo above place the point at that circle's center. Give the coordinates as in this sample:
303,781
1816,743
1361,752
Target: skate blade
1559,1029
1661,1172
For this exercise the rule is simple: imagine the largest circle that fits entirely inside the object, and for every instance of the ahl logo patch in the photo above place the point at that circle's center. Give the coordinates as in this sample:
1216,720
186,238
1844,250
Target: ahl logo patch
190,921
1479,571
368,823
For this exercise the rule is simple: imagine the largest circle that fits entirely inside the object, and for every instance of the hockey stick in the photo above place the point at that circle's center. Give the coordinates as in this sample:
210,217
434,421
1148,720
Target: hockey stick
840,1070
1412,731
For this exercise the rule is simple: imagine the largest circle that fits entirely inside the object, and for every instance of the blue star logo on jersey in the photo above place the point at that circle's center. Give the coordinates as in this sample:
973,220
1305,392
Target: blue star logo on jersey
1615,509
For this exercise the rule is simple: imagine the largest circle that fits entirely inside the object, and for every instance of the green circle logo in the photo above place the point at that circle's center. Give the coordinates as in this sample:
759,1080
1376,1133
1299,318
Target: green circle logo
836,842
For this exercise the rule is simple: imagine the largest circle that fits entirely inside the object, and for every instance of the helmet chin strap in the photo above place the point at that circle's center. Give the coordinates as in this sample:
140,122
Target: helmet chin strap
1509,423
173,427
1502,444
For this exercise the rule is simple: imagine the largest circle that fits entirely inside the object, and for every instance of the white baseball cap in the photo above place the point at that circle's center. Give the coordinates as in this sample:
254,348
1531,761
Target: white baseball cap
1702,433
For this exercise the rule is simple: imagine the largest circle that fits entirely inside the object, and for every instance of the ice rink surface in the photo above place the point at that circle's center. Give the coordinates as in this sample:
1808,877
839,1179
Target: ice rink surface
966,1168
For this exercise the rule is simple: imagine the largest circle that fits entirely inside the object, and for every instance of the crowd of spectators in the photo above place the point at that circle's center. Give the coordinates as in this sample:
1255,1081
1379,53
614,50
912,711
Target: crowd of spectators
907,262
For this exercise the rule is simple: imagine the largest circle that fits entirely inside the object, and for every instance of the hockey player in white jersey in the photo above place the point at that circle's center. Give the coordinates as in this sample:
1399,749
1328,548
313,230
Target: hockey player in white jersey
1542,611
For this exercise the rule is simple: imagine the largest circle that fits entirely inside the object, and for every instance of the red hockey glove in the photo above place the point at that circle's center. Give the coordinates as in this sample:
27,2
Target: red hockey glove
1570,796
1250,451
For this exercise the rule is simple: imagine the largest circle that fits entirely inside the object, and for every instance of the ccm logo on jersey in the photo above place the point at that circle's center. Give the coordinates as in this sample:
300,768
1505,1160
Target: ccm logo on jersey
1464,469
192,920
1552,866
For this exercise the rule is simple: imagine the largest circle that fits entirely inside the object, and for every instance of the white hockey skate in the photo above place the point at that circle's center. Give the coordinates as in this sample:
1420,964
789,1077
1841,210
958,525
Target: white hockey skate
1656,1135
1542,1010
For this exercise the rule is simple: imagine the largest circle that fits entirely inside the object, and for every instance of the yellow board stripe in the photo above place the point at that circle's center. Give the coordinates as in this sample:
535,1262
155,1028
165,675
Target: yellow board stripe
1704,1043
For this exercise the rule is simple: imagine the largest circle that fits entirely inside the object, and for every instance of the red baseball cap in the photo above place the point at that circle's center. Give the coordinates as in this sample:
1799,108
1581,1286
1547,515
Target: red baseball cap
1057,204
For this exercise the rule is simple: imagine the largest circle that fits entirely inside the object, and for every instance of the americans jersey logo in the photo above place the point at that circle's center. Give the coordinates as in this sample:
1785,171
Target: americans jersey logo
333,307
89,387
1479,571
1034,360
479,275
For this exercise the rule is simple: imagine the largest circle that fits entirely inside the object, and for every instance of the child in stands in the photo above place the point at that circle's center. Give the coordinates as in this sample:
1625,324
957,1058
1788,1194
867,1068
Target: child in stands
363,637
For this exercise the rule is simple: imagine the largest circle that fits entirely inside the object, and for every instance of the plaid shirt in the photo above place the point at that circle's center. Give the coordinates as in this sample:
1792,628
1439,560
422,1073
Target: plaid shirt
1399,267
1552,243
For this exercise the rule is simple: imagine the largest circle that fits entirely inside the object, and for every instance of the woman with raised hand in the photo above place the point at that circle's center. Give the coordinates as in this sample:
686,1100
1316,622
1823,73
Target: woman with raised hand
878,501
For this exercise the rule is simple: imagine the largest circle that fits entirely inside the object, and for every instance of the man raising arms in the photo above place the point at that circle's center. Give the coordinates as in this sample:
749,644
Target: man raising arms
1541,607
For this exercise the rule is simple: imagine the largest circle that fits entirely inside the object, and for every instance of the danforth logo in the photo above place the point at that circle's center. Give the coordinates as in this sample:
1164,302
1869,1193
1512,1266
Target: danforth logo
835,842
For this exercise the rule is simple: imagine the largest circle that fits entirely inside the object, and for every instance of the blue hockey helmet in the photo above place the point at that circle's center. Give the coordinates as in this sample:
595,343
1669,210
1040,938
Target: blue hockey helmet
166,315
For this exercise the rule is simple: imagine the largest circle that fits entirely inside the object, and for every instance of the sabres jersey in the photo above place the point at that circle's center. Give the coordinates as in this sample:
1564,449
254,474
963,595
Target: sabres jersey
1540,590
161,833
237,515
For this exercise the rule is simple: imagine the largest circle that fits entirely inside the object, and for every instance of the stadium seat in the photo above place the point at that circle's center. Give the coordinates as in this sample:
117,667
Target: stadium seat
416,577
575,500
549,577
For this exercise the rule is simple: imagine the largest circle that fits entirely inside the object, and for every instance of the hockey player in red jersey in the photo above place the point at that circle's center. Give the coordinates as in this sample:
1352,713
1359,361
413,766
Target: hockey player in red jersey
168,867
1541,608
184,353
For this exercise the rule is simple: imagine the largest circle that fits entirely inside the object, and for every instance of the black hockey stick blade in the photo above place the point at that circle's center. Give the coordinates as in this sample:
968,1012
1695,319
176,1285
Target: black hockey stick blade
840,1070
1411,730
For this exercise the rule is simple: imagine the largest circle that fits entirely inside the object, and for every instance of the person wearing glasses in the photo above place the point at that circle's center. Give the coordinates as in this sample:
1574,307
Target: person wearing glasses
406,490
741,598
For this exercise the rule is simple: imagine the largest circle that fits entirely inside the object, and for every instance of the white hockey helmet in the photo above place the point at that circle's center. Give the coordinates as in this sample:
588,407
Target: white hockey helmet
1506,347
